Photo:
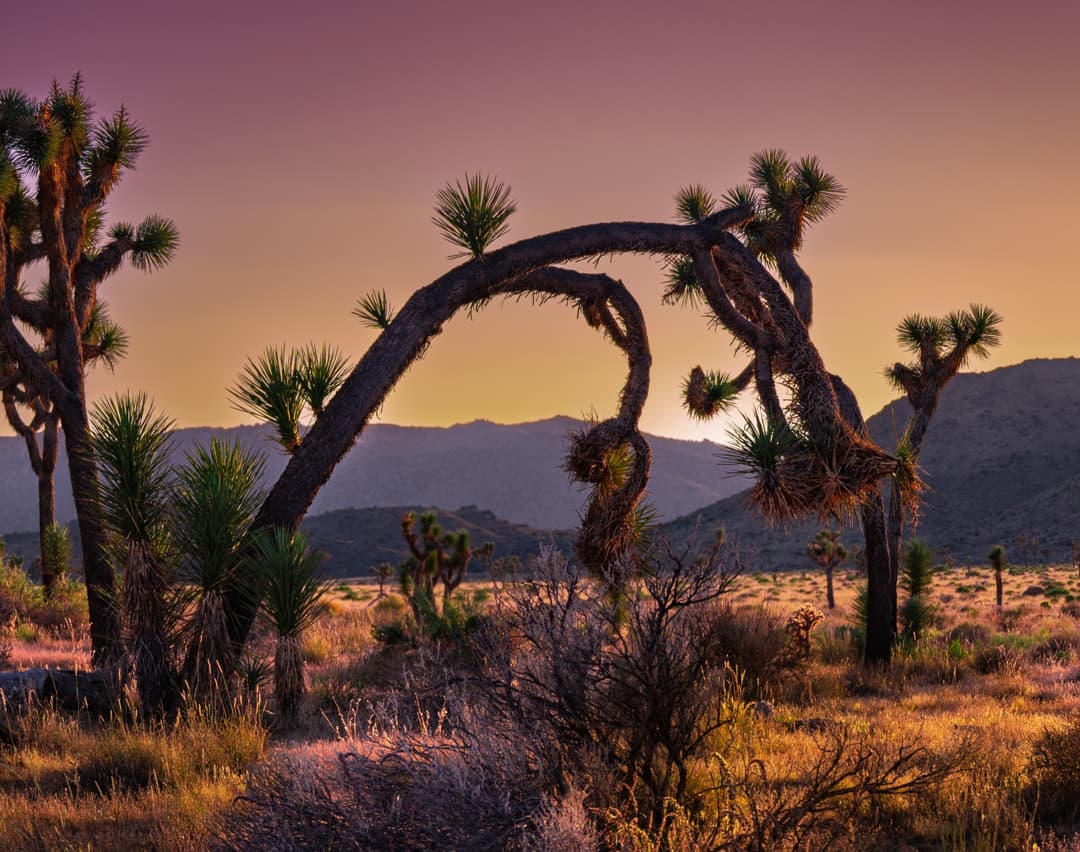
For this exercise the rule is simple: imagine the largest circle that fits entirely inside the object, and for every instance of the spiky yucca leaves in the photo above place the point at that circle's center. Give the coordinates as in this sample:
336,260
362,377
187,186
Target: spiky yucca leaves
105,341
473,216
693,204
916,575
707,394
374,310
130,441
322,370
681,282
217,496
269,388
292,602
56,554
798,477
997,562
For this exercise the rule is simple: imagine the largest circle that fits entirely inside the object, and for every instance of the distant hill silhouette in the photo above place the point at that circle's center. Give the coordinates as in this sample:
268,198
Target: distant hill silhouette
514,471
356,540
1001,459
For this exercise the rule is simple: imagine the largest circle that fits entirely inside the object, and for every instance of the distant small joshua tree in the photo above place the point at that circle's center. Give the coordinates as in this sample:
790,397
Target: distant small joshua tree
827,551
383,572
997,562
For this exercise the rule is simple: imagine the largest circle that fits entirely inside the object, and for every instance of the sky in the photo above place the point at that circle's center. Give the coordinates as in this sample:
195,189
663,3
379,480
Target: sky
299,148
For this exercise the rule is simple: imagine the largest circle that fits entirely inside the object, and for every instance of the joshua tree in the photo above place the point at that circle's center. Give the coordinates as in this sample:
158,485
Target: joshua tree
130,442
819,458
997,562
612,456
292,603
942,346
827,551
382,572
436,558
57,168
103,342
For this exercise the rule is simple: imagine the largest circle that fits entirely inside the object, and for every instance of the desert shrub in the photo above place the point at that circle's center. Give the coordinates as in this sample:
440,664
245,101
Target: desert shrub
1055,769
24,601
988,659
754,642
836,644
625,689
969,633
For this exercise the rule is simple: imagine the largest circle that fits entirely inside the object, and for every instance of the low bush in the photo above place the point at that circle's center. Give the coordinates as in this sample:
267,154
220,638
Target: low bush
1055,769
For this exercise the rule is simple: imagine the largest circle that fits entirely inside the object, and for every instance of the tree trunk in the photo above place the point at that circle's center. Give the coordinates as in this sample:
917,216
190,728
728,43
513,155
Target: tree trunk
47,503
880,580
97,570
829,587
999,581
880,624
407,337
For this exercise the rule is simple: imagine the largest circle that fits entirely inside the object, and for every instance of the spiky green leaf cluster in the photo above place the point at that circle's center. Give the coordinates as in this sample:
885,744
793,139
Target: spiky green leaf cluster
131,444
474,215
374,310
216,497
758,444
694,203
706,394
681,282
293,590
278,384
322,370
154,243
269,389
916,568
784,197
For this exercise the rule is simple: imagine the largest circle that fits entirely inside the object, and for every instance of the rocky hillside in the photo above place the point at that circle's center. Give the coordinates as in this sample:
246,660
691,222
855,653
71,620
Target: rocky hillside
514,471
1001,459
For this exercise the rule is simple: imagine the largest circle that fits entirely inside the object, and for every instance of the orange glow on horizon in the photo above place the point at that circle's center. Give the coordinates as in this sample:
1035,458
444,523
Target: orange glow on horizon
300,156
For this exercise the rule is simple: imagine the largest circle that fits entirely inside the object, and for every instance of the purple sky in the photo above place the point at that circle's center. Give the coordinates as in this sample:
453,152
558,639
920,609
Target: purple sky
299,151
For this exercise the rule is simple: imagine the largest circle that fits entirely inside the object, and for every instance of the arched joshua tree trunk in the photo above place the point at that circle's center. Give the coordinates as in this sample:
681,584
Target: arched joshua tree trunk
604,303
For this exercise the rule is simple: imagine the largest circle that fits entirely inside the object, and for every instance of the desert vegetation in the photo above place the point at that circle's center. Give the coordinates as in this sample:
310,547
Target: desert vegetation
204,687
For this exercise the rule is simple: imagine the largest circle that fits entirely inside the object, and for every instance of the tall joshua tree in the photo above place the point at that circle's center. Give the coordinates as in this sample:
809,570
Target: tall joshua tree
58,165
942,346
828,463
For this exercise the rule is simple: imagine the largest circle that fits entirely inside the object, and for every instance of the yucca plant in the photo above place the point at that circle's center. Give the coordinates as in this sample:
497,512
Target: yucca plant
916,575
56,553
216,498
269,388
997,562
292,602
473,216
131,442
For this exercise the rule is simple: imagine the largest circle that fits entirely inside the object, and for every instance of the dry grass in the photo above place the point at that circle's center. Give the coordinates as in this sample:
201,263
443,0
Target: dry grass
1002,684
